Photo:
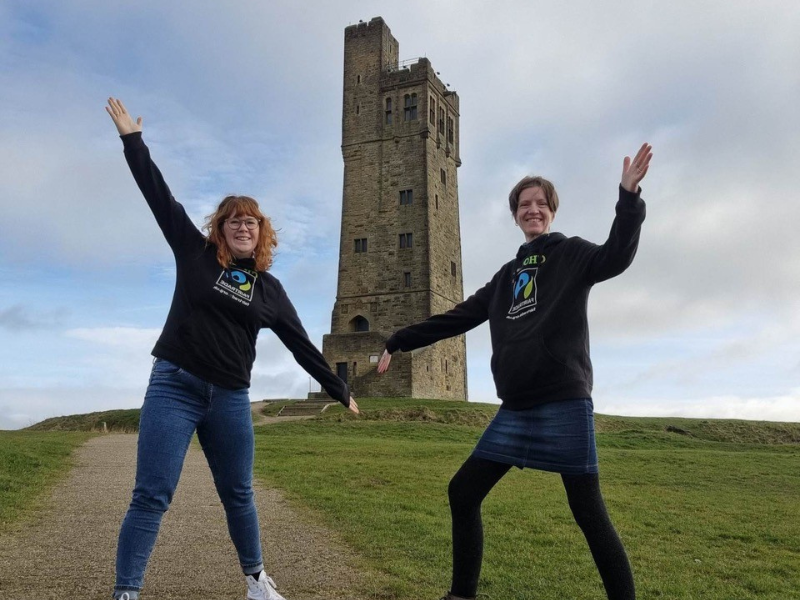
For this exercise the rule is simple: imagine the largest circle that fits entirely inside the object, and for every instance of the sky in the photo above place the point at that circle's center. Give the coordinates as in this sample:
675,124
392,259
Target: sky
246,98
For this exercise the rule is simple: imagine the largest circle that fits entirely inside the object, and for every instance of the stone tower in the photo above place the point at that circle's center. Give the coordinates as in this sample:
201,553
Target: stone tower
400,248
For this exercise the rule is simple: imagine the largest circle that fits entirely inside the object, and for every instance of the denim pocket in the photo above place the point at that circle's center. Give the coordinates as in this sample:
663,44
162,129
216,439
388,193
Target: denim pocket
164,367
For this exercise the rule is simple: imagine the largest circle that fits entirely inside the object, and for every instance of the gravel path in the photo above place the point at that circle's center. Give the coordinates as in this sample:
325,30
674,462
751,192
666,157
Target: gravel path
67,551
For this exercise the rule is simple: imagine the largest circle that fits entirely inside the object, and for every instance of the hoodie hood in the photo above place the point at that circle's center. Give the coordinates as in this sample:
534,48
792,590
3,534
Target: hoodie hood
544,241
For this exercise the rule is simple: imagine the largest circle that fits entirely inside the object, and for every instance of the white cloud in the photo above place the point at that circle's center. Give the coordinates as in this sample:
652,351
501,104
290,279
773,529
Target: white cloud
785,407
126,339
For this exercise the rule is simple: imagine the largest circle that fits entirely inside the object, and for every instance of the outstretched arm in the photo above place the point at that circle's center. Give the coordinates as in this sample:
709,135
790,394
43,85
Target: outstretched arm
460,319
293,335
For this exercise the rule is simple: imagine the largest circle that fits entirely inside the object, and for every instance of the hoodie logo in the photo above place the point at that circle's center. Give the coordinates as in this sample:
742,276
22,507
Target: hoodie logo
524,290
239,283
534,259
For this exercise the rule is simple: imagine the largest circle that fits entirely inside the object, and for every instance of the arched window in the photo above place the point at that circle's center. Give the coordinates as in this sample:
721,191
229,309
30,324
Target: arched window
359,324
410,107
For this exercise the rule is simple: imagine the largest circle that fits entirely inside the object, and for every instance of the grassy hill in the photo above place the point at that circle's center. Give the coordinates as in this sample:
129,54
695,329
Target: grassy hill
479,415
116,421
707,508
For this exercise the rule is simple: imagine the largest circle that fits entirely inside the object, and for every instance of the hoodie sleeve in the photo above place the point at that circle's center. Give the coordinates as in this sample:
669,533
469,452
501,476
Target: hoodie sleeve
461,318
291,332
616,254
170,215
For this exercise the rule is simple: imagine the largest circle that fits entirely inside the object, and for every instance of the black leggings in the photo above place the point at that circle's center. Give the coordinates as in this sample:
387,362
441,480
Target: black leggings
478,476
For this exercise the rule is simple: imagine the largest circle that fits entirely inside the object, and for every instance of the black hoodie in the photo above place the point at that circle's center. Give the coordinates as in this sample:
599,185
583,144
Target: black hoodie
216,313
536,306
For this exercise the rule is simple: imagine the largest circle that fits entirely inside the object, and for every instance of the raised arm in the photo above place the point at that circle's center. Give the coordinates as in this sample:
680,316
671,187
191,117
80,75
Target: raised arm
170,215
616,254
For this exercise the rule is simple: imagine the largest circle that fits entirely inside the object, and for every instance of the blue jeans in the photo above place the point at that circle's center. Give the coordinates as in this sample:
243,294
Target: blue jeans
175,406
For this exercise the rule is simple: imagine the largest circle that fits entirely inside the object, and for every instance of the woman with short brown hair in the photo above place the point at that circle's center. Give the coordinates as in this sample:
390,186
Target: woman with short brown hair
536,308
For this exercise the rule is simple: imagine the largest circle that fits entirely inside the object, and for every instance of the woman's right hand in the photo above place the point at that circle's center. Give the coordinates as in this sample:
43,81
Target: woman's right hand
119,114
383,364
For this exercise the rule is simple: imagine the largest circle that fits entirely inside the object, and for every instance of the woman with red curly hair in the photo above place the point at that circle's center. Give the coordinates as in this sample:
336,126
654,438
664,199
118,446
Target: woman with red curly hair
223,297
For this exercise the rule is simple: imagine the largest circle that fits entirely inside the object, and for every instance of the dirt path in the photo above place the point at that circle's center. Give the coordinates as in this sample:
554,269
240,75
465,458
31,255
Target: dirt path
68,550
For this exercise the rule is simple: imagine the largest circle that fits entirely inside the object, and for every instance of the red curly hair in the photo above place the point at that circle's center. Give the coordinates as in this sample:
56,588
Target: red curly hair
241,206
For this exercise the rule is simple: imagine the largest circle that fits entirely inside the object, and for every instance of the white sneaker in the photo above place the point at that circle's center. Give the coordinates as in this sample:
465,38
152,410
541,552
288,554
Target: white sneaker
262,588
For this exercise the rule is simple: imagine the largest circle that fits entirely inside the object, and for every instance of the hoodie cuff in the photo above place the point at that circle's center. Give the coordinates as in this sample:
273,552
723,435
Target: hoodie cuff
132,140
392,344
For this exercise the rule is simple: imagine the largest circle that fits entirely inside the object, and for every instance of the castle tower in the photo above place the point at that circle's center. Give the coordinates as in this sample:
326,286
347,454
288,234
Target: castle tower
400,249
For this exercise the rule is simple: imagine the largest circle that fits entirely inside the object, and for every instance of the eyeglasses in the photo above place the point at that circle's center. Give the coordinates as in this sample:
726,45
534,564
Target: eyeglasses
235,224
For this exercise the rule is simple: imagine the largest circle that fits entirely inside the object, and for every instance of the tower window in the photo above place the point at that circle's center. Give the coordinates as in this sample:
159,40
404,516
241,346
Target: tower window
407,279
388,111
450,129
436,197
361,245
358,109
433,111
406,197
452,268
359,324
410,107
441,121
443,175
406,240
358,79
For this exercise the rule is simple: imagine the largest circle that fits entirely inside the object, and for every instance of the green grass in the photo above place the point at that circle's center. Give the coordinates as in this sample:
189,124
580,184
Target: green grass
31,463
705,512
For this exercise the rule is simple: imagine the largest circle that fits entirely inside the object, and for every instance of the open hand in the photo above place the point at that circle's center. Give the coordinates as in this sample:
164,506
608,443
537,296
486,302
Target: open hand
633,171
119,114
383,364
353,406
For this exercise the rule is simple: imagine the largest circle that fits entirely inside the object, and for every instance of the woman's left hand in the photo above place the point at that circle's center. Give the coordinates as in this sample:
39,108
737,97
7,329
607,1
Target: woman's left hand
353,406
383,365
633,171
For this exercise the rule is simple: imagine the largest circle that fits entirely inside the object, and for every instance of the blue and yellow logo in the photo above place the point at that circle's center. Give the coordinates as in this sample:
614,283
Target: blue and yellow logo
239,283
238,277
524,290
524,285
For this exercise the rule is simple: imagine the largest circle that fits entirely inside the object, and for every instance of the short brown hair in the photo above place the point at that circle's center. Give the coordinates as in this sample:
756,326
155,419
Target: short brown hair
241,205
529,181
